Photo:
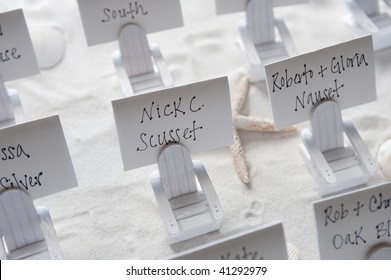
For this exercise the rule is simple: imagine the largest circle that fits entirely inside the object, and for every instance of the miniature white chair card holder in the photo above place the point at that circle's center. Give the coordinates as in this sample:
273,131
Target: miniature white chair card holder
368,18
259,42
264,39
26,232
139,66
185,195
334,165
319,94
30,172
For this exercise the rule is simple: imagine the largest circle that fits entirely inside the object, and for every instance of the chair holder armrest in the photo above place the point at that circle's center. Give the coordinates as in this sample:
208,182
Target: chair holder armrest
164,205
286,37
360,147
209,191
317,157
122,74
161,65
50,233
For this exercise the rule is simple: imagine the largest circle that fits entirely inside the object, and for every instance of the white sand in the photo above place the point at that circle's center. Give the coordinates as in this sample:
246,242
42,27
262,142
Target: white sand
113,214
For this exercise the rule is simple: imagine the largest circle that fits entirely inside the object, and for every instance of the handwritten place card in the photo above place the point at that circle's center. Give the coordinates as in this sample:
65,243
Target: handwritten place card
349,226
261,243
197,115
34,157
233,6
17,56
344,73
103,19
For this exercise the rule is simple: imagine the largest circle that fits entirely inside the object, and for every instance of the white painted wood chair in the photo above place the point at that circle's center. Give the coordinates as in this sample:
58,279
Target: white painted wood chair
10,106
140,67
368,18
264,39
26,232
334,164
186,197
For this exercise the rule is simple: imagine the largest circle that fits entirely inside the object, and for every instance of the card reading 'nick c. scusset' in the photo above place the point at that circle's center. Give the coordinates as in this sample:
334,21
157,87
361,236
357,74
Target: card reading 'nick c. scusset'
196,115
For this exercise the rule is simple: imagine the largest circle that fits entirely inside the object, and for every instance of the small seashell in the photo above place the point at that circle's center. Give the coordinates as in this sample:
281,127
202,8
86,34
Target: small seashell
49,46
293,252
384,158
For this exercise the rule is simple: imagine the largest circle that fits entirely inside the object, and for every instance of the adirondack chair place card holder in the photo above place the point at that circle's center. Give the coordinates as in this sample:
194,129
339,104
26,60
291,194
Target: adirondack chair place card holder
26,231
165,127
263,38
17,60
367,16
139,65
316,86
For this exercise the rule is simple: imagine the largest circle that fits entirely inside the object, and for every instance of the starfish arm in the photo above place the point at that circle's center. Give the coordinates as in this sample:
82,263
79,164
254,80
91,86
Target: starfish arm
239,158
256,124
241,94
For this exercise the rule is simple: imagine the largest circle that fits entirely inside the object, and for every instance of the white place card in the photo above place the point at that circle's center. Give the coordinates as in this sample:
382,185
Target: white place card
343,72
233,6
34,157
103,19
17,56
261,243
349,226
197,115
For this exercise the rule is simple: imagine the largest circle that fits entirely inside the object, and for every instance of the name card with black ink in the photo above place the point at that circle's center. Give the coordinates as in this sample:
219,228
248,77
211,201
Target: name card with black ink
233,6
197,115
343,72
17,56
103,19
350,226
261,243
34,157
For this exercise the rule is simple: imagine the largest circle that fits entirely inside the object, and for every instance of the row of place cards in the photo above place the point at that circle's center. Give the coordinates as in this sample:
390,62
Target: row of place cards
35,157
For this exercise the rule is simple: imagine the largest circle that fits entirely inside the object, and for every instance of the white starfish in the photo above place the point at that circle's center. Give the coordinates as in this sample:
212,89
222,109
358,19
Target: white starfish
246,123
